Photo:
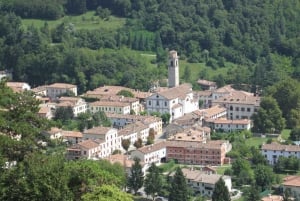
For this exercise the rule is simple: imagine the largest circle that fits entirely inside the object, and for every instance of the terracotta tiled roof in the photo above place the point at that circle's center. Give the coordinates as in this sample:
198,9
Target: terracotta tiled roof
72,134
200,176
239,97
61,85
100,130
208,145
132,128
39,89
280,147
176,92
272,198
121,159
107,90
54,130
88,144
293,180
214,110
110,103
229,121
44,110
154,147
225,89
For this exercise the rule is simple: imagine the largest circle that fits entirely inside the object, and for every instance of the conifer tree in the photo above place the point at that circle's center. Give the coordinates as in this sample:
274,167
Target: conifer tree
221,192
179,188
136,178
153,182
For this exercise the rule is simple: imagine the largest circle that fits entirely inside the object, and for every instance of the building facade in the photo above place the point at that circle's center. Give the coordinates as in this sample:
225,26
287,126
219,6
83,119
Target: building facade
58,89
273,151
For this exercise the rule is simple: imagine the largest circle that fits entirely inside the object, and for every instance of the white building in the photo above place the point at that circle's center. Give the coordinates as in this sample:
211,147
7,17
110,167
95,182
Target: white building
134,131
73,137
77,104
109,136
18,86
120,121
154,153
176,101
203,182
88,149
110,107
274,150
57,89
228,125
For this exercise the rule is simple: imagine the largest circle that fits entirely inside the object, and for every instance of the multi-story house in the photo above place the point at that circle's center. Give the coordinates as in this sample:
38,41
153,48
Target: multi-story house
119,121
207,85
110,107
192,135
175,101
88,149
292,183
195,153
58,89
53,133
227,125
18,86
154,153
77,104
214,112
203,182
134,102
109,136
274,150
72,137
134,131
239,104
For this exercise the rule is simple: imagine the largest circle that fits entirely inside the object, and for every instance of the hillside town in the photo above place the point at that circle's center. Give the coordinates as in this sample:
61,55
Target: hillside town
184,136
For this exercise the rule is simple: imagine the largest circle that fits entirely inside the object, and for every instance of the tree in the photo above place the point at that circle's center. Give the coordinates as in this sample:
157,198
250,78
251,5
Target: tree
106,193
295,134
221,192
64,114
136,177
165,118
151,136
125,144
179,188
125,93
252,194
153,181
287,195
269,118
138,143
263,176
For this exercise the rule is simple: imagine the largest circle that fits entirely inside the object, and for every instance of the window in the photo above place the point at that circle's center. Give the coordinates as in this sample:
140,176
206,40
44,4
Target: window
231,108
157,103
242,109
166,103
149,103
237,109
248,109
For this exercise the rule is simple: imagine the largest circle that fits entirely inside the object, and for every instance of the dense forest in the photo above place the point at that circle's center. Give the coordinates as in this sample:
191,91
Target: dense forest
261,37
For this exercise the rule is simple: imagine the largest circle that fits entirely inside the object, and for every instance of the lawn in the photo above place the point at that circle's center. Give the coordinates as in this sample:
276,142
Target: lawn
256,141
221,169
196,68
84,21
285,134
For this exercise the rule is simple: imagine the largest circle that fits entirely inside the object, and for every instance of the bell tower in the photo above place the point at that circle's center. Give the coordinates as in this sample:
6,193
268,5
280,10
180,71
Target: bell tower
173,69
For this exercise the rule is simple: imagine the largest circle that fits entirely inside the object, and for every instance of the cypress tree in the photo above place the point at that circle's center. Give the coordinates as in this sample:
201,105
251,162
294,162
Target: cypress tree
179,188
136,178
221,192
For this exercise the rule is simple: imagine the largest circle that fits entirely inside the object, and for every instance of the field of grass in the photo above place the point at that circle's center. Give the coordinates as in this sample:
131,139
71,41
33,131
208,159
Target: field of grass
221,169
84,21
285,134
196,68
256,141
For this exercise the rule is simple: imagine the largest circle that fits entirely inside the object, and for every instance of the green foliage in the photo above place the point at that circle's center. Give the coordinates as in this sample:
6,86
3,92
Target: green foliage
178,188
221,192
153,181
136,177
38,177
269,118
138,143
264,176
151,136
106,193
125,93
286,165
252,194
295,134
64,114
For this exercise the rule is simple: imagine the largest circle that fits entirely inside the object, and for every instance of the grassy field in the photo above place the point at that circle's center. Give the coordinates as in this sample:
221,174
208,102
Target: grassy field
285,134
221,169
84,21
256,141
